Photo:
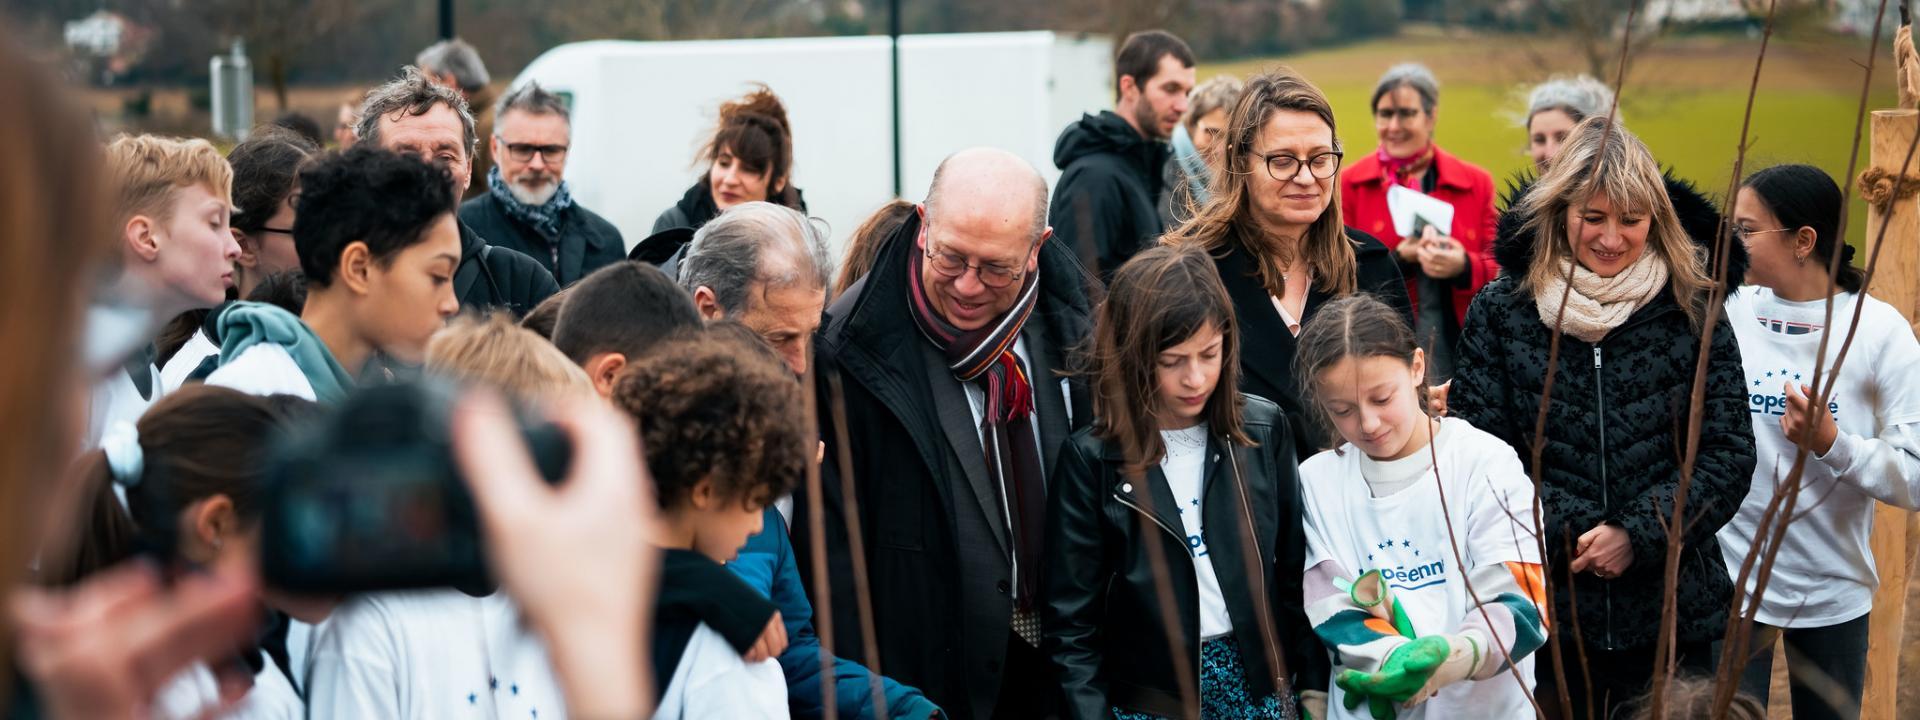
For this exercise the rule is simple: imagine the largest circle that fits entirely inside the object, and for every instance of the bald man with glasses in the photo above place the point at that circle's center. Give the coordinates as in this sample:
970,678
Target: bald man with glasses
945,359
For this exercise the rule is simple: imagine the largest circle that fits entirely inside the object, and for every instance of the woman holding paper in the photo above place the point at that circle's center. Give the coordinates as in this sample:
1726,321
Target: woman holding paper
1273,229
1433,209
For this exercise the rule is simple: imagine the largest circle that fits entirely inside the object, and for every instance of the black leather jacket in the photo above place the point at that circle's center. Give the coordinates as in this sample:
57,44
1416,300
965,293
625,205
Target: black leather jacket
1104,621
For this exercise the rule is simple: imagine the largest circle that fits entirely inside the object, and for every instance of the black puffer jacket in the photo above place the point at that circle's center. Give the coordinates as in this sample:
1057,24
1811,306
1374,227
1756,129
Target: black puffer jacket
1616,428
1107,203
1104,621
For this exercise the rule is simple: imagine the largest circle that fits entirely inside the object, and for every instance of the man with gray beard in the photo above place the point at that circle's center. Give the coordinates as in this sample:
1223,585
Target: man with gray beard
528,206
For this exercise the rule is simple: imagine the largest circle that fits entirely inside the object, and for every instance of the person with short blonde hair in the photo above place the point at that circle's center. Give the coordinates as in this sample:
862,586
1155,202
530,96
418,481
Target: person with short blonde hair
493,351
387,654
171,200
392,654
147,169
171,203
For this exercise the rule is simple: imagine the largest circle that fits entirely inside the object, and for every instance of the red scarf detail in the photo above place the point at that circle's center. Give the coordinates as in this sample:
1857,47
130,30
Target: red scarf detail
1407,171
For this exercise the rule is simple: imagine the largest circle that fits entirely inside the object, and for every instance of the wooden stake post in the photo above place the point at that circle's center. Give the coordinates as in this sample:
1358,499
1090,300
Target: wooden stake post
1897,282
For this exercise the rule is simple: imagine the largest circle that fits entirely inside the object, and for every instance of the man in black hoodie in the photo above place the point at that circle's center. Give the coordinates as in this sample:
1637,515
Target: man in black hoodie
1104,205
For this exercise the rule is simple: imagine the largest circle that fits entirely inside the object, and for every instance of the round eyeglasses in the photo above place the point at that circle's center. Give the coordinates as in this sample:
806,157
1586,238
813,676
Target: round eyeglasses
1284,167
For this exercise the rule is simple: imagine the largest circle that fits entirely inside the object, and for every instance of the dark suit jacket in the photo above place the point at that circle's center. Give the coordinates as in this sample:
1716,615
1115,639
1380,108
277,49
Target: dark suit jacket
936,542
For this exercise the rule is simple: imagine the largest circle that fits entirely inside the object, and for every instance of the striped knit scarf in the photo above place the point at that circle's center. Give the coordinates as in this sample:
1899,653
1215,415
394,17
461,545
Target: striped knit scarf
984,358
545,219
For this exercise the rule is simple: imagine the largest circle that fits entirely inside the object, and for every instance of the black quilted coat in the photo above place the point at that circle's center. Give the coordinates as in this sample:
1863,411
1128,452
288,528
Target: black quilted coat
1615,432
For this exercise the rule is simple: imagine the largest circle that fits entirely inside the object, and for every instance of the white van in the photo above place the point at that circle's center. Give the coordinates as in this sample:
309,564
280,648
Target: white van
642,109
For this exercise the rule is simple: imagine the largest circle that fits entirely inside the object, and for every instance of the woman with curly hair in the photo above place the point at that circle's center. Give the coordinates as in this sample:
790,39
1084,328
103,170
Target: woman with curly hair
749,158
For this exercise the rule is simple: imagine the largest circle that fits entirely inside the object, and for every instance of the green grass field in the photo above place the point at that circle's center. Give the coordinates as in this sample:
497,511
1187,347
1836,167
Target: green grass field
1683,96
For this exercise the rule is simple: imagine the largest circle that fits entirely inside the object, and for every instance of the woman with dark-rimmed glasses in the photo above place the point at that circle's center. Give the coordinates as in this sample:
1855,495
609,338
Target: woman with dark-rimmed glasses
1273,227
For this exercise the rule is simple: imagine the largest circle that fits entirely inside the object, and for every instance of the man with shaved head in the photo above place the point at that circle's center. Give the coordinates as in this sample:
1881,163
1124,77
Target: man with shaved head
942,365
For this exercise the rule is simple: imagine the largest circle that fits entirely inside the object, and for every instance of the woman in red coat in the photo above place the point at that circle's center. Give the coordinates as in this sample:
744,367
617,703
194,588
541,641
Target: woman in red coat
1443,271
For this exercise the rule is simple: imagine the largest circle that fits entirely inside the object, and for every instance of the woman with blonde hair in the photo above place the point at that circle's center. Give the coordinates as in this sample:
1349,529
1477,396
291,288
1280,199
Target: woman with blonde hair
1597,252
1273,228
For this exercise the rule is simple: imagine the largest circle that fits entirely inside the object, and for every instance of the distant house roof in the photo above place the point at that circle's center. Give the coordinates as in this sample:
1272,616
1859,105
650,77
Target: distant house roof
100,34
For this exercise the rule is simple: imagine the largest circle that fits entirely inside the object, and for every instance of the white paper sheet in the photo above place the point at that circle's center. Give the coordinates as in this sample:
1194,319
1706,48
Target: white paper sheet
1406,204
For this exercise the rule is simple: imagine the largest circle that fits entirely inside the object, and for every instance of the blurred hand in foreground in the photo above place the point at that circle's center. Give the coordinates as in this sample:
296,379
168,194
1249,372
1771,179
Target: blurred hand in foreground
105,648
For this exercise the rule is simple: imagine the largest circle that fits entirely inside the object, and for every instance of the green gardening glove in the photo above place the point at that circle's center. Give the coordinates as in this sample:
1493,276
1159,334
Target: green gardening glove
1404,673
1415,671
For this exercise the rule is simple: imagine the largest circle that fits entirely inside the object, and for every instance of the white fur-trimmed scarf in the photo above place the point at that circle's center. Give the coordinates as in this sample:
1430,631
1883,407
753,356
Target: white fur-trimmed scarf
1597,304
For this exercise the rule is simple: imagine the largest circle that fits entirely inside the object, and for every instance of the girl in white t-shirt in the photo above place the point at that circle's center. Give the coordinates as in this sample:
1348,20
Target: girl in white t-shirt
1173,543
191,470
1863,446
1423,564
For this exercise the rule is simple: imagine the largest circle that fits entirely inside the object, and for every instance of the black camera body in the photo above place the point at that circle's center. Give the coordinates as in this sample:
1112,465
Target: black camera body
368,496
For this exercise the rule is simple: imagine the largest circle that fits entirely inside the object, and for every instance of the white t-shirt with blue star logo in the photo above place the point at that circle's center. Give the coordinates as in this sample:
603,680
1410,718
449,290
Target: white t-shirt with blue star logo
432,654
1823,574
1404,535
1185,466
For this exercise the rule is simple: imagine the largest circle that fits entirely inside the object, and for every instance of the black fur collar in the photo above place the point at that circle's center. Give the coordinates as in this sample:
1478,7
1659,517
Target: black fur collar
1513,245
